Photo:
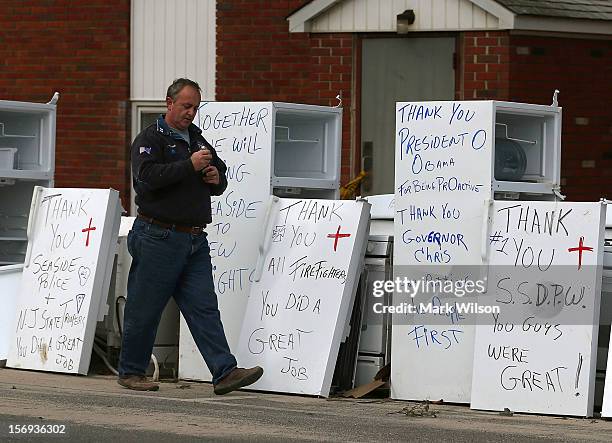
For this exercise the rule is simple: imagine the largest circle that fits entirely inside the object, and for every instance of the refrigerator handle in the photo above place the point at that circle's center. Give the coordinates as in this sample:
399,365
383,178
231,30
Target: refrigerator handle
484,245
484,248
33,213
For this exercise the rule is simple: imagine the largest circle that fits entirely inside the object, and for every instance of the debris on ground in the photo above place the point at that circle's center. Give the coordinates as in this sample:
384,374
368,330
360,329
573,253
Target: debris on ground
362,390
420,410
506,412
378,401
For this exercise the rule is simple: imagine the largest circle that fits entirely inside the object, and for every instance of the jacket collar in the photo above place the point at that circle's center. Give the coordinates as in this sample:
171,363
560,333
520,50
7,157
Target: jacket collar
163,128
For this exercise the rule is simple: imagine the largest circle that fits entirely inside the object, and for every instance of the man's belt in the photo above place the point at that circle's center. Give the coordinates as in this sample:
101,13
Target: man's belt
194,230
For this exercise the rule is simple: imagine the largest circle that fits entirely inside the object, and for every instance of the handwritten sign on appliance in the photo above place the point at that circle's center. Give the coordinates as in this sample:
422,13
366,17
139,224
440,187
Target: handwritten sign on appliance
443,177
241,133
65,277
297,312
538,353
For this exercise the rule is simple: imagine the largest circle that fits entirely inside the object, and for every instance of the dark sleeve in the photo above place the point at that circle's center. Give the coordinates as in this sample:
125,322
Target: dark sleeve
148,167
222,168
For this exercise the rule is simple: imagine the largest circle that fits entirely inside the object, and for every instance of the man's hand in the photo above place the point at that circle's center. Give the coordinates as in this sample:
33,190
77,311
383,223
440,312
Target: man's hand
201,159
211,175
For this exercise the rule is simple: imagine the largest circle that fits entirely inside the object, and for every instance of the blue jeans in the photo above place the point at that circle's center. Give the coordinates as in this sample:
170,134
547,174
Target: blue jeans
168,263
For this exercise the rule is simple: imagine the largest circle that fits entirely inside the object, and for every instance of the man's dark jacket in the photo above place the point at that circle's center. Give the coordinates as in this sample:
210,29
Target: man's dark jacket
166,184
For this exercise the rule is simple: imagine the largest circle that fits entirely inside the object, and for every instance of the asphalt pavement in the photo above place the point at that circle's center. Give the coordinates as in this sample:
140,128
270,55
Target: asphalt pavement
95,408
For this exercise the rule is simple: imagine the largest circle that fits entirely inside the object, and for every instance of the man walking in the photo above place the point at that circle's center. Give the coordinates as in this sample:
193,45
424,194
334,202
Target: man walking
175,172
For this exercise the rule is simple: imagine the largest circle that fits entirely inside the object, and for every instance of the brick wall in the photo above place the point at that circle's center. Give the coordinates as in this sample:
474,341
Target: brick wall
258,59
484,69
581,69
80,49
501,66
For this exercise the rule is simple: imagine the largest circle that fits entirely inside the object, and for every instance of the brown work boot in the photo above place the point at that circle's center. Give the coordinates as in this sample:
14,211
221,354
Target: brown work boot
137,383
238,378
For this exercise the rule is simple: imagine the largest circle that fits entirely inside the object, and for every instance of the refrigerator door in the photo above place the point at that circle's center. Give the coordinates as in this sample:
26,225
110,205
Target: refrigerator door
72,238
241,133
443,175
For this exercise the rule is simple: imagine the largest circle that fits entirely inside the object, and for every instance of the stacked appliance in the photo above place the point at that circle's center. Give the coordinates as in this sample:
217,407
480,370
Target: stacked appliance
605,311
512,152
375,339
527,166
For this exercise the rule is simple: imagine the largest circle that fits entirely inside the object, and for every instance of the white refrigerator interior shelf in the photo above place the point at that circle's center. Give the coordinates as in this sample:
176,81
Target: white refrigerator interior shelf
8,158
527,148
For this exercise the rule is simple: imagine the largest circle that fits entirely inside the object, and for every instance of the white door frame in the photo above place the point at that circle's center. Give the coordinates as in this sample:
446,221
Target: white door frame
138,109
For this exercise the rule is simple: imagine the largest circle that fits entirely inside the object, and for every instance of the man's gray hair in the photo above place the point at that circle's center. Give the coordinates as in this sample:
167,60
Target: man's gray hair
178,84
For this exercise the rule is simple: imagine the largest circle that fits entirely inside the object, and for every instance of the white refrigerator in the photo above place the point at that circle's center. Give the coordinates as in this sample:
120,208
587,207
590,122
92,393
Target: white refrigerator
27,159
285,149
452,159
